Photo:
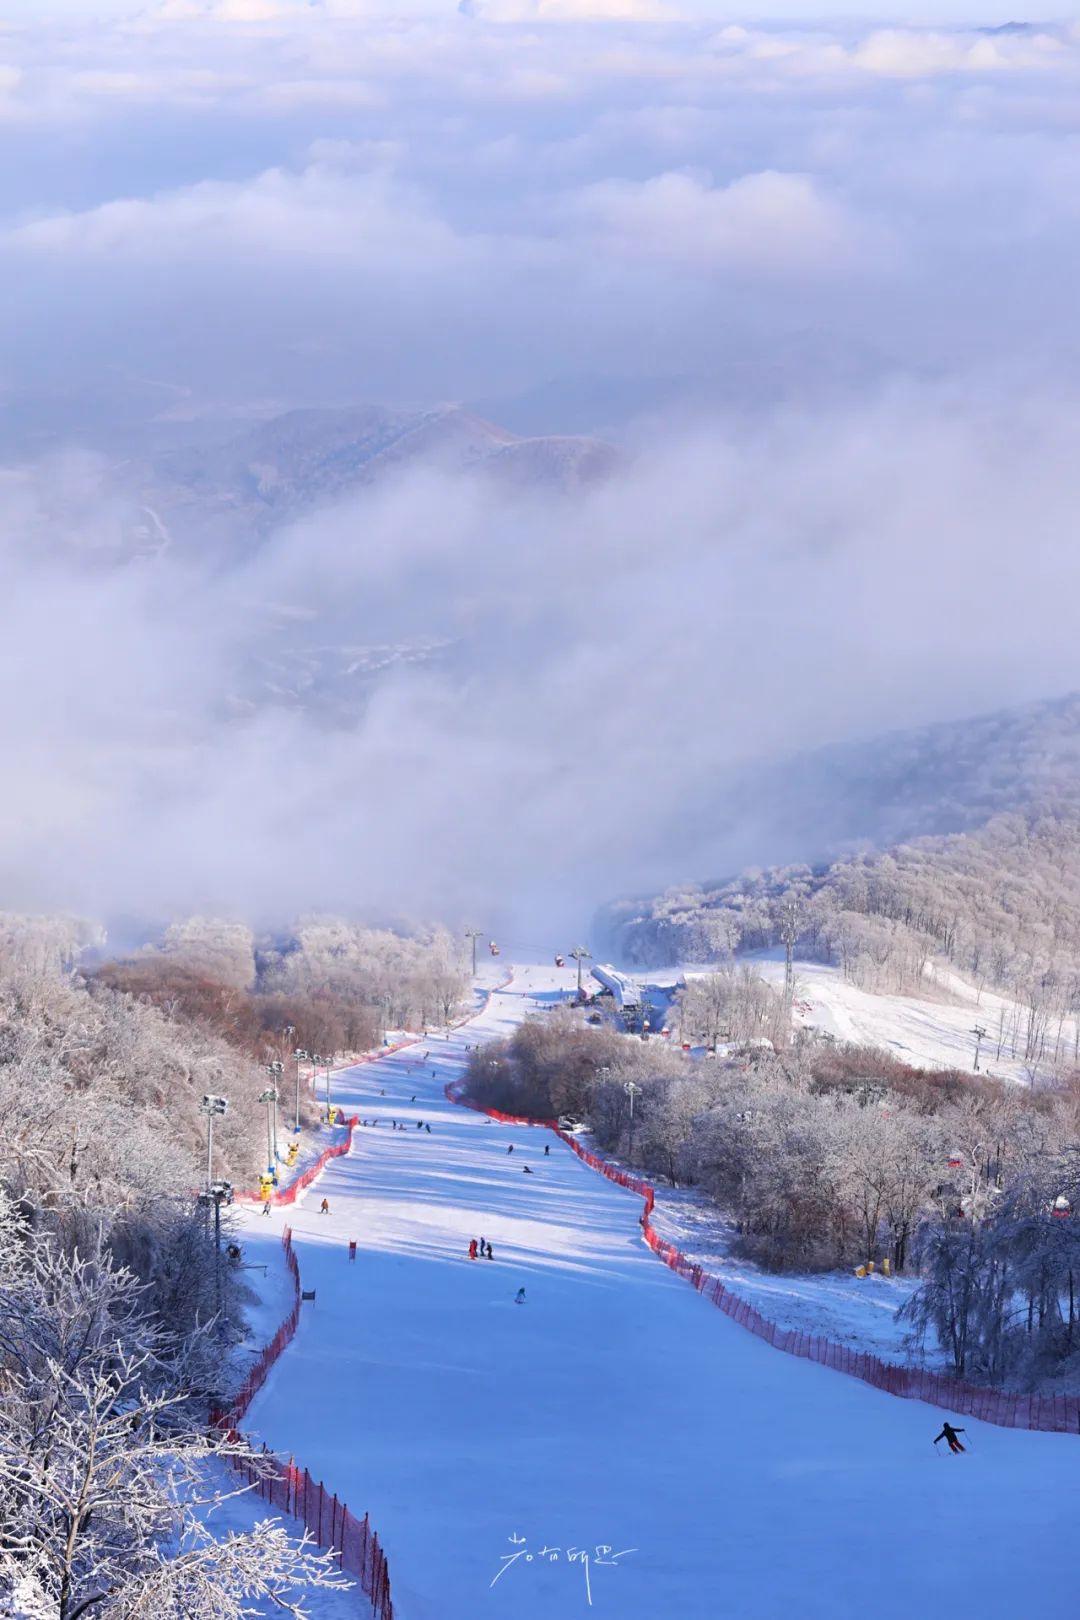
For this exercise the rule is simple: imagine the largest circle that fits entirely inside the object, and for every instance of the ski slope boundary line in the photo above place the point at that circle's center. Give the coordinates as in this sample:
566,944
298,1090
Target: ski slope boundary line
292,1490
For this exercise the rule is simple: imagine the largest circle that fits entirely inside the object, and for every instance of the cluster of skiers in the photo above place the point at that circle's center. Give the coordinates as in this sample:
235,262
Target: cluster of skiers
396,1125
480,1249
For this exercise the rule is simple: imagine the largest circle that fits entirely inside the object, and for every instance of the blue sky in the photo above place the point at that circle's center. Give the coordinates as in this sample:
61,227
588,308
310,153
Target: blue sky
945,11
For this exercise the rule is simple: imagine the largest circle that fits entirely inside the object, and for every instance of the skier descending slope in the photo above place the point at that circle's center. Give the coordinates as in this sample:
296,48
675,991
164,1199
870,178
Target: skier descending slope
949,1433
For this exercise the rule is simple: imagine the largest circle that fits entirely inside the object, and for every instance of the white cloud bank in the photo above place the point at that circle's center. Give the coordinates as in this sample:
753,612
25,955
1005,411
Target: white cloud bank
820,276
759,221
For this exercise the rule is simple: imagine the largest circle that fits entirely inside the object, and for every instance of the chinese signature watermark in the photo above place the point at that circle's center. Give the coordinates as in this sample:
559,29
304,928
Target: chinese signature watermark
598,1556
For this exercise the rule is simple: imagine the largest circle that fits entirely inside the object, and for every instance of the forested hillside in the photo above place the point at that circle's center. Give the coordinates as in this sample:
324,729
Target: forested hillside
1001,905
883,884
120,1317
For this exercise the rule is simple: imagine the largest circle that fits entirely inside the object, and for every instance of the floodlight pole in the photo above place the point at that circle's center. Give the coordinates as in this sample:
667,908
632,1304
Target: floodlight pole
275,1070
212,1106
218,1193
269,1097
298,1054
632,1090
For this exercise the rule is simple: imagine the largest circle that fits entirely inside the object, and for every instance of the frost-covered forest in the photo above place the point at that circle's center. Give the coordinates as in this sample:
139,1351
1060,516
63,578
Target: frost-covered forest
1001,905
116,1318
337,986
827,1155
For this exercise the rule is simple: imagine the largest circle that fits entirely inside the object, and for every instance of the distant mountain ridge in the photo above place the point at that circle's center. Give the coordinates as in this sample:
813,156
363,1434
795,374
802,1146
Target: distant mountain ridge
304,459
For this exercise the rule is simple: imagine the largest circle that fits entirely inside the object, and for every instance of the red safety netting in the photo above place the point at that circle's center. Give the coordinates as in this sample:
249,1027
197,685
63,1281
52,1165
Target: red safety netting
454,1092
292,1490
1057,1413
289,1194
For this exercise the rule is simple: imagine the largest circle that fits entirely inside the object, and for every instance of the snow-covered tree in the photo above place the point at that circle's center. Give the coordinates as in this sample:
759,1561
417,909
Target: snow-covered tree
104,1453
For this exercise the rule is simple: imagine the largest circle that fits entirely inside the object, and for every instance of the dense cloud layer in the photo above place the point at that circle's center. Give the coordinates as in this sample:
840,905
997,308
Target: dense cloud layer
819,283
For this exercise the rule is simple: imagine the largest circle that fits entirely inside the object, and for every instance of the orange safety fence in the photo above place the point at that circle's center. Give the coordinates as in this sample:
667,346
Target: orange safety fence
289,1194
292,1490
1053,1413
454,1092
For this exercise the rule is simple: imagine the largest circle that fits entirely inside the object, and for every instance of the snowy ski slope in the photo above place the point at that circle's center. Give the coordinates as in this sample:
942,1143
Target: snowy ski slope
614,1406
924,1032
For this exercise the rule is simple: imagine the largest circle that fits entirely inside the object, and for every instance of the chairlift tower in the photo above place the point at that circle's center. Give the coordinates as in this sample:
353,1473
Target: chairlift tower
980,1036
580,954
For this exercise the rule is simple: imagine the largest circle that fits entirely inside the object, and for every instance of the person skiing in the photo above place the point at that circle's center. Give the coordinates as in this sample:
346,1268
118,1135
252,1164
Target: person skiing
510,1149
949,1433
526,1169
490,1254
472,1248
483,1245
547,1149
519,1297
324,1207
427,1127
419,1124
266,1206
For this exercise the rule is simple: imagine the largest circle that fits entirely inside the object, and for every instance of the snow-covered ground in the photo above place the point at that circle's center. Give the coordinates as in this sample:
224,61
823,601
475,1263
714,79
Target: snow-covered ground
615,1407
934,1032
243,1512
836,1305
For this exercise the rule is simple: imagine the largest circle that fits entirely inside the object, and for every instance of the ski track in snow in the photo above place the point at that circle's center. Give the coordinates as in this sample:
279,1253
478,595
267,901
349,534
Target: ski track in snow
927,1034
615,1406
